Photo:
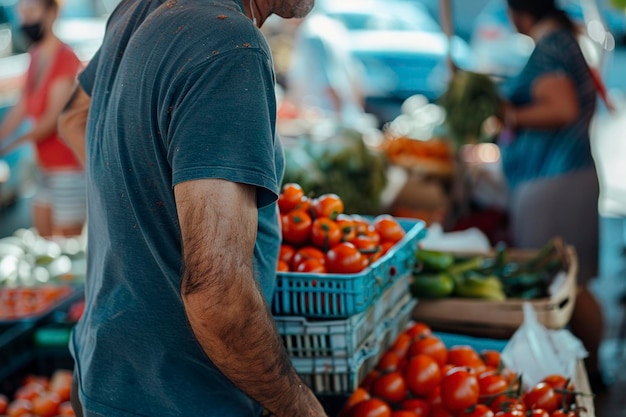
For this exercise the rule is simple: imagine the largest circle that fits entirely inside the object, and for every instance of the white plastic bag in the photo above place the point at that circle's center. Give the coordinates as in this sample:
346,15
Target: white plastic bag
536,352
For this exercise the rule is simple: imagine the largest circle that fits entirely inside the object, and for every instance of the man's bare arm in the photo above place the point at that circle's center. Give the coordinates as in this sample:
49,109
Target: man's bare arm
73,121
224,305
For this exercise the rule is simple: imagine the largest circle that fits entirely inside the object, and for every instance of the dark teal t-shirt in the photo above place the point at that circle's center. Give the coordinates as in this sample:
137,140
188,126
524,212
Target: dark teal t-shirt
180,90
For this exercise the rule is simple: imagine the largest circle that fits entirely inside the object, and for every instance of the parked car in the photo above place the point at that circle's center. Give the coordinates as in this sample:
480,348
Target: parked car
502,51
402,49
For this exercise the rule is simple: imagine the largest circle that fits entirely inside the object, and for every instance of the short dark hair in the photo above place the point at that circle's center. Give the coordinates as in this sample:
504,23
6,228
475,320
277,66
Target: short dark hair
543,8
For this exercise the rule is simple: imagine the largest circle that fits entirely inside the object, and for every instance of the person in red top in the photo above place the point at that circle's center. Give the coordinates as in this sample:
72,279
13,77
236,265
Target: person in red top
59,207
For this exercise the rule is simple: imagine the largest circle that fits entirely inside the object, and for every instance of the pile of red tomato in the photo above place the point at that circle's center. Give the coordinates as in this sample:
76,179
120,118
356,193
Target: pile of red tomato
41,397
16,303
420,377
319,238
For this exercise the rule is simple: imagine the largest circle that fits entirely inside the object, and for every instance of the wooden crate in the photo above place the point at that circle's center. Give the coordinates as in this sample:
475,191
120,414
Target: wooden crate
500,319
581,383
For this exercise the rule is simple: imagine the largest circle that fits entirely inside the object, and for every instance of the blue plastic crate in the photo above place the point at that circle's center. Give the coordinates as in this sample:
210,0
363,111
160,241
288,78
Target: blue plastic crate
342,375
340,338
335,296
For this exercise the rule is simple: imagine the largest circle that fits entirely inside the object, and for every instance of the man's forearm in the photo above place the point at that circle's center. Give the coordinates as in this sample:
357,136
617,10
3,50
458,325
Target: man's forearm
247,348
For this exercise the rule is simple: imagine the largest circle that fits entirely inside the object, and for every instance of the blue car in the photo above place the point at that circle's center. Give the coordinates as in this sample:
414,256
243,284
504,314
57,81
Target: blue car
402,49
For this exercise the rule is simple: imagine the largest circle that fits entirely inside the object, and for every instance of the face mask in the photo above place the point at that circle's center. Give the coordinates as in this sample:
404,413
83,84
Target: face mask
33,32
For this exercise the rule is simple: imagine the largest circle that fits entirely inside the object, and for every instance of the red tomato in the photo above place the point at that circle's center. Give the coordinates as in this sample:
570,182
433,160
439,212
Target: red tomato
19,408
305,204
286,253
41,380
390,387
388,362
296,227
422,374
345,258
385,246
491,383
311,266
66,410
325,233
418,406
480,410
282,266
388,228
4,403
506,403
435,396
432,346
563,413
438,410
307,252
459,389
511,413
418,329
347,227
371,408
401,345
542,396
359,395
538,412
290,197
369,379
29,391
559,382
327,205
403,413
491,357
362,225
464,355
46,405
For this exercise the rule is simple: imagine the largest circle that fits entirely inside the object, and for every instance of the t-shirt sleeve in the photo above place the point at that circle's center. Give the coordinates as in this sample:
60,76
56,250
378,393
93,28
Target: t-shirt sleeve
68,65
221,123
551,57
87,77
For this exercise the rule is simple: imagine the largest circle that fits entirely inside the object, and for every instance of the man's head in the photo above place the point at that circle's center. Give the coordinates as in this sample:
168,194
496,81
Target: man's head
288,9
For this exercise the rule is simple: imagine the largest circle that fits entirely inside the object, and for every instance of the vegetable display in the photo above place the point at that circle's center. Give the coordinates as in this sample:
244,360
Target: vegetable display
470,99
318,237
419,376
486,277
343,165
37,273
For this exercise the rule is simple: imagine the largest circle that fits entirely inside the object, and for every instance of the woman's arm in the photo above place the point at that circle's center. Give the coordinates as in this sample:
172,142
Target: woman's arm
555,104
58,95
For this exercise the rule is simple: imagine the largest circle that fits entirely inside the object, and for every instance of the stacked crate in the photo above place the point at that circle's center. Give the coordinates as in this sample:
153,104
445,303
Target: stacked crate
336,326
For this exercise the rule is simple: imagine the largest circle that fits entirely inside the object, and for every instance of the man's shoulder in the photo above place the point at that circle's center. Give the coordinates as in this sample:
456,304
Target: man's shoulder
209,23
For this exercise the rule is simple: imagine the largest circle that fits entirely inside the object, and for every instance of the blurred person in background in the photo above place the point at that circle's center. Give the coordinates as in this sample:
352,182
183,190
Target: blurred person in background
59,206
323,74
547,160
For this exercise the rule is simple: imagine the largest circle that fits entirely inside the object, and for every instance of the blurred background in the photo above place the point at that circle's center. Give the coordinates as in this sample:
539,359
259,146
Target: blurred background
379,68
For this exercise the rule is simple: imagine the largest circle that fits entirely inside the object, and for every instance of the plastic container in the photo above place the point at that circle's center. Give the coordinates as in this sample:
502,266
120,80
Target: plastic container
338,338
333,375
335,296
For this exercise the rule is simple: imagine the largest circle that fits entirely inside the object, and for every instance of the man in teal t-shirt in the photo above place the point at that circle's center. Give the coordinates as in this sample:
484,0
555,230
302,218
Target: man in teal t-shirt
184,169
